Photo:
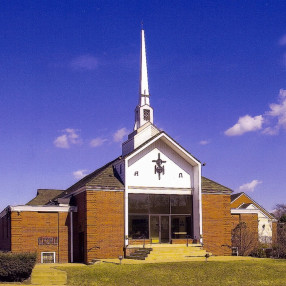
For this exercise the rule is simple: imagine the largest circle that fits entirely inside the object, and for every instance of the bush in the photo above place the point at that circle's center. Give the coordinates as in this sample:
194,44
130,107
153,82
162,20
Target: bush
16,266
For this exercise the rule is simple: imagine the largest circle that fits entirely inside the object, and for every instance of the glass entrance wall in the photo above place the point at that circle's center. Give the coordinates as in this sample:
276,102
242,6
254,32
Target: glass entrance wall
160,217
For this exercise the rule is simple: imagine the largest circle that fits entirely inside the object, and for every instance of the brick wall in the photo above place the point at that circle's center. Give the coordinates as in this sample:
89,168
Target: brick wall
5,235
216,223
79,228
27,227
243,199
245,239
104,224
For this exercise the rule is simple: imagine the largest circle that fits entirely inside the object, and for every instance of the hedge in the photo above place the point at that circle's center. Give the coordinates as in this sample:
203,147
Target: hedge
16,266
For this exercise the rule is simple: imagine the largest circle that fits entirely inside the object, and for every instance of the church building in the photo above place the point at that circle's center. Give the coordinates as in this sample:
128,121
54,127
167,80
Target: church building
153,193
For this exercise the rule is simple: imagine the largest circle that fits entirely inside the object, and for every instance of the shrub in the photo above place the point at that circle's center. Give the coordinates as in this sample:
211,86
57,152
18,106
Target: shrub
16,266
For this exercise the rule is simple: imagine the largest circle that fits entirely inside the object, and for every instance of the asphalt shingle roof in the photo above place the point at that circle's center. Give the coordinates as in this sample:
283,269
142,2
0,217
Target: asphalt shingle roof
104,177
44,196
235,196
210,186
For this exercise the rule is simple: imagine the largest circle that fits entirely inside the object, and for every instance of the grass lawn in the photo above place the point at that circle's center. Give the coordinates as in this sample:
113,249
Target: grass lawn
257,272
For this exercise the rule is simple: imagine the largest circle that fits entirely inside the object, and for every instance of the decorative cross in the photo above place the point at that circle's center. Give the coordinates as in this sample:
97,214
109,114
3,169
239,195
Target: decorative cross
158,167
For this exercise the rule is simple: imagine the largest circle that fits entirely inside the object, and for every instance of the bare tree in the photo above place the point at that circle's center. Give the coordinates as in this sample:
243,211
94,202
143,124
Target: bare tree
280,247
244,238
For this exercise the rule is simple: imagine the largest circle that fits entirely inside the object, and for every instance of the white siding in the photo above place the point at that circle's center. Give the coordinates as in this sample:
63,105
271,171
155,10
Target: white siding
144,165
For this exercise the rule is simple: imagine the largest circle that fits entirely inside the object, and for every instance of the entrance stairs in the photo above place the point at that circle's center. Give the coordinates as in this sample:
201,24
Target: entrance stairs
172,252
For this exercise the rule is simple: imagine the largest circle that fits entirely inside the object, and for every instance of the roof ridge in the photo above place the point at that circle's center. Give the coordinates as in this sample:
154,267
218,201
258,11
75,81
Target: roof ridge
203,177
90,176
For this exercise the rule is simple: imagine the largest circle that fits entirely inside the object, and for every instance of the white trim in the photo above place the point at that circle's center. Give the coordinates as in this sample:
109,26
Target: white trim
257,205
126,207
46,208
48,252
78,191
254,207
245,211
160,188
71,234
171,141
161,192
237,197
200,204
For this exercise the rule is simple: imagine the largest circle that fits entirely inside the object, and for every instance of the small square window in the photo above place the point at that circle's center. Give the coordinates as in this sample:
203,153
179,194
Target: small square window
48,257
146,114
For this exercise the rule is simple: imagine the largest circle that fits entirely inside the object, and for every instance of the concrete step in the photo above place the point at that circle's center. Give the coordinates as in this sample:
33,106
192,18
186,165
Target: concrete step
176,253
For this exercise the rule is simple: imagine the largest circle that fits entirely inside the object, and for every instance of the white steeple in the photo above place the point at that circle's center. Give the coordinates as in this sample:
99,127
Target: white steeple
143,89
143,111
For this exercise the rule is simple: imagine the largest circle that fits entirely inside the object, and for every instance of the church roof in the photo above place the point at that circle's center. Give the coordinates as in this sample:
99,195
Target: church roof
104,177
107,177
235,196
152,138
210,186
244,206
44,196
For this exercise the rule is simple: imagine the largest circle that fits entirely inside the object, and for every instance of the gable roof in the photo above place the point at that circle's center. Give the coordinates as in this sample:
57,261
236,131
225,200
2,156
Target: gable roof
233,197
44,196
245,206
104,177
245,199
154,137
209,186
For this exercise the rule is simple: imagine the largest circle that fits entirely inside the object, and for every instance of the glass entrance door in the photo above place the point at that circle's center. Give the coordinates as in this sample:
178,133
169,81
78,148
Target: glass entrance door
165,233
154,229
159,229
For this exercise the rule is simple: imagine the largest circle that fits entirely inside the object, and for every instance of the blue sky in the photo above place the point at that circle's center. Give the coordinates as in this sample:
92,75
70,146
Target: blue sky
69,75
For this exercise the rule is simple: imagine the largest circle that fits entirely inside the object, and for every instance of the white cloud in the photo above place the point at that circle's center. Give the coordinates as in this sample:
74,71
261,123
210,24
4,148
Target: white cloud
249,187
119,134
204,142
84,62
96,142
79,174
68,138
277,112
245,124
282,40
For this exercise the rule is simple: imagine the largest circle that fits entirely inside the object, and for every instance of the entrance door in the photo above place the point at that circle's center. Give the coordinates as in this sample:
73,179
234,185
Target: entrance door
159,229
165,233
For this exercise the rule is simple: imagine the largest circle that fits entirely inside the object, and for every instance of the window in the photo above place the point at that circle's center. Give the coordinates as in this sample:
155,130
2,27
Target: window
48,257
146,114
138,226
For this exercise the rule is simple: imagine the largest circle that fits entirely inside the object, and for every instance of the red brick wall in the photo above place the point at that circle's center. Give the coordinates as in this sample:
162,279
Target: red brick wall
104,224
5,234
79,228
27,227
243,199
249,235
216,223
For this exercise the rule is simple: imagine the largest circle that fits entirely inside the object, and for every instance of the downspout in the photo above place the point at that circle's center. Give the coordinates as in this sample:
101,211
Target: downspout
58,237
71,234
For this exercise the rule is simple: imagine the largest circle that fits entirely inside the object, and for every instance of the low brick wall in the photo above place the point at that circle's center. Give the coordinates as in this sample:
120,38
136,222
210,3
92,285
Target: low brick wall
40,232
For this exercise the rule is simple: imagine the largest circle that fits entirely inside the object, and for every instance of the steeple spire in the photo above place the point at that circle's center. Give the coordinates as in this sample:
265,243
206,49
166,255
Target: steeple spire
144,89
143,111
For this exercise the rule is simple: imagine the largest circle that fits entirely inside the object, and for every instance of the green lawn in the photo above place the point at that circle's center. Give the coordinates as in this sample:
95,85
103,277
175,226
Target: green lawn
258,272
